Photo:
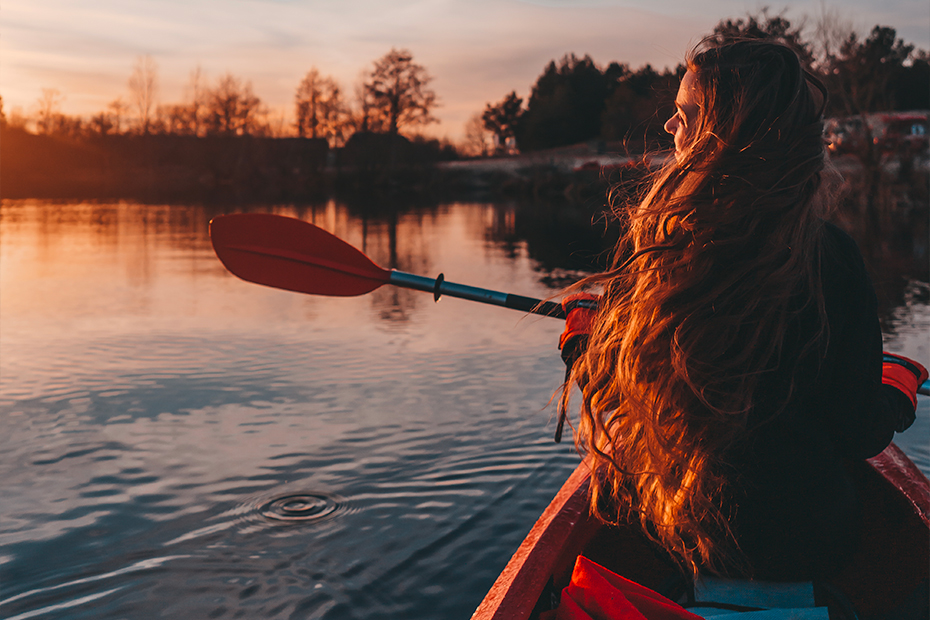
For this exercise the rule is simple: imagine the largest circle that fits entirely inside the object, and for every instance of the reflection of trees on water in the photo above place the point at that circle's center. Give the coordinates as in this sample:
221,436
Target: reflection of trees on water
390,232
64,230
394,303
393,237
565,240
390,235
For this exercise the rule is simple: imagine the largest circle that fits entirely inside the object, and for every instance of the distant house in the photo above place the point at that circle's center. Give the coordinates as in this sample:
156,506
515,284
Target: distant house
905,133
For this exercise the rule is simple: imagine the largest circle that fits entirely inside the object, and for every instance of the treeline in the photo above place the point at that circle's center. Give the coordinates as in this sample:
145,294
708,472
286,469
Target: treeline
223,138
393,95
575,100
213,167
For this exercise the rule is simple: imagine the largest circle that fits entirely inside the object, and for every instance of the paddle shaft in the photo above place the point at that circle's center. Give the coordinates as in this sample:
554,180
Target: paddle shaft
924,388
439,287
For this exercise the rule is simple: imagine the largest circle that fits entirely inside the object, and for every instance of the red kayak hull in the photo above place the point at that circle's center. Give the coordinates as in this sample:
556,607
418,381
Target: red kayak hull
893,559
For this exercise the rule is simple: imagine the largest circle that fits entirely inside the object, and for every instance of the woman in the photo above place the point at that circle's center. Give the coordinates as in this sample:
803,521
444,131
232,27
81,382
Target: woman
734,361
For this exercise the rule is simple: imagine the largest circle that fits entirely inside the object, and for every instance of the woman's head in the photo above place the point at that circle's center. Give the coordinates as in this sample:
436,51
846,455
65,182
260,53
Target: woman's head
749,145
743,94
718,258
688,103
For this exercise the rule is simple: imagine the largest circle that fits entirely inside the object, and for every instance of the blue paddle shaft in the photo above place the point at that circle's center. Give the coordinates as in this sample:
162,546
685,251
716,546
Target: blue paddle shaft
439,287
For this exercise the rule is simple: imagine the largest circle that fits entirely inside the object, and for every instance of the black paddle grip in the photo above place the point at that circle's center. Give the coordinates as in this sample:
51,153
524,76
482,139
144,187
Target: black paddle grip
528,304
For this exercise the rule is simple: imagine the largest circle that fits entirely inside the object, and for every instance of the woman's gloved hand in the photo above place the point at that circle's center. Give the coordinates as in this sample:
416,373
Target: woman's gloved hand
580,310
904,375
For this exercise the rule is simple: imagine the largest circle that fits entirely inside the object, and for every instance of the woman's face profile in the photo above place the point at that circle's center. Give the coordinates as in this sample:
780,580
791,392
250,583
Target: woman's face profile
687,107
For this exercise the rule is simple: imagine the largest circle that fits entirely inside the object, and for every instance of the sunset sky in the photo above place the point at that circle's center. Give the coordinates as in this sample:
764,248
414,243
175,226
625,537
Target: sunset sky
477,50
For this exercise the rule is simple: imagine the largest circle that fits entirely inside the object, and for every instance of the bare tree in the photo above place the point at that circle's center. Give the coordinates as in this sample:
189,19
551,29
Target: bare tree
399,87
233,108
196,101
831,30
187,118
48,109
143,86
321,111
307,100
479,142
117,113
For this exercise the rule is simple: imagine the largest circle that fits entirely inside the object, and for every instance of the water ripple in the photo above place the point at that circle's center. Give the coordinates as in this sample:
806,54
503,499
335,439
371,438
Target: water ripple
36,595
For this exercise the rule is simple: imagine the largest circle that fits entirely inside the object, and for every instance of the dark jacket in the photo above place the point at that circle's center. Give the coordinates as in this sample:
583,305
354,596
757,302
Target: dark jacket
795,511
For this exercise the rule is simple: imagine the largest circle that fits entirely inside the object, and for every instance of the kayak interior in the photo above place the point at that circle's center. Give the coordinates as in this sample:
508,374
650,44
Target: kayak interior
888,576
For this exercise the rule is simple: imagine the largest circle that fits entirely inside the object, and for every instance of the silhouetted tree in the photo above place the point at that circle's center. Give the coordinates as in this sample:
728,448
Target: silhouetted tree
143,86
639,104
101,124
765,26
69,126
368,117
502,119
911,87
399,88
861,74
565,105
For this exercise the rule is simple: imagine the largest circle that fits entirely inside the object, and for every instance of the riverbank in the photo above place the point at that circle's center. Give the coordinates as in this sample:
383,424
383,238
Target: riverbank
253,169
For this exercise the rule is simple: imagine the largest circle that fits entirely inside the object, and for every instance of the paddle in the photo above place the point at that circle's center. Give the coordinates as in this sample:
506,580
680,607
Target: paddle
295,255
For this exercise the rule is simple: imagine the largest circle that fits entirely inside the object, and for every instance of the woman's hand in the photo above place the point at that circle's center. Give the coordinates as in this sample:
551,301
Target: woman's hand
580,310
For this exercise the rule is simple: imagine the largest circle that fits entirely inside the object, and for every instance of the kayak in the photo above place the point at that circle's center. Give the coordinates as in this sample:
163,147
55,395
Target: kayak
889,572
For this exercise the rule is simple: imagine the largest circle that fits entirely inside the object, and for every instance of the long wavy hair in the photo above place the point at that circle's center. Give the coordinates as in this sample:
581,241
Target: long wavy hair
721,253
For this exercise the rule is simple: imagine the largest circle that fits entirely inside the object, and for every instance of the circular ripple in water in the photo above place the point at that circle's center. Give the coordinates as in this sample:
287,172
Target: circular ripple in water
300,507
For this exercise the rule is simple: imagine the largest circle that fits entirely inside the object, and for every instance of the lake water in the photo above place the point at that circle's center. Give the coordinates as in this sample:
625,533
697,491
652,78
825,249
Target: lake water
179,443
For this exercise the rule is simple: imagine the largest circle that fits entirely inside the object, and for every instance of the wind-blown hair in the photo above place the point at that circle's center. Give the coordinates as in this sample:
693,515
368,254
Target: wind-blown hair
719,255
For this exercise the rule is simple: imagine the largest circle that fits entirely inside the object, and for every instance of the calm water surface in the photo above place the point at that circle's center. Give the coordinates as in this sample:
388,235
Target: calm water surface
179,443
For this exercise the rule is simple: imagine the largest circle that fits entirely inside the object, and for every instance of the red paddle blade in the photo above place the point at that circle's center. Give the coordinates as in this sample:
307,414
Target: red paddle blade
294,255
